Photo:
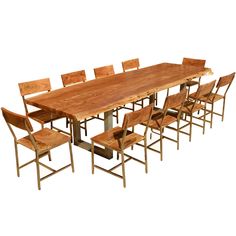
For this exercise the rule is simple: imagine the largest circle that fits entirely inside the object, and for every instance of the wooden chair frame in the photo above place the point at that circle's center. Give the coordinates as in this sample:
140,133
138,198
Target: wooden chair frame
129,65
23,123
193,62
130,120
193,105
159,120
39,86
224,84
70,79
102,72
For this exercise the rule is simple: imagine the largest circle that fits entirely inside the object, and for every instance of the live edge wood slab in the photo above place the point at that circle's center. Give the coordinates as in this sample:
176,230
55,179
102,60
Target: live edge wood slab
102,95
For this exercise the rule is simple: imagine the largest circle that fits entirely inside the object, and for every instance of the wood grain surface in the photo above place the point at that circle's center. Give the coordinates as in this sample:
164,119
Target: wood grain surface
98,96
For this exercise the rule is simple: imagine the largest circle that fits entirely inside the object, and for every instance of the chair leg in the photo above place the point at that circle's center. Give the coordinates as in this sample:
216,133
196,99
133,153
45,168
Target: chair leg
85,127
184,116
190,127
49,156
123,168
132,147
71,130
38,170
92,155
198,112
212,110
204,120
223,109
145,155
71,157
133,104
117,116
151,133
161,157
188,91
156,98
17,160
178,135
67,121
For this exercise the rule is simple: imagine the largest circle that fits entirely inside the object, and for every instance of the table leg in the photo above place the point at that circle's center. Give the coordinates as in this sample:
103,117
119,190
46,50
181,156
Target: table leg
182,86
152,99
76,132
108,124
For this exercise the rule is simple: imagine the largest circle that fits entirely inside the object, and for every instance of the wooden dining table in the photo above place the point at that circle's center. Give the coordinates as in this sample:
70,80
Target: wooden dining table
97,96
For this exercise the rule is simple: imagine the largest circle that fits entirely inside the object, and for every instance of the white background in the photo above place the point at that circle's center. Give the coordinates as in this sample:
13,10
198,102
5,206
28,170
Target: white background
192,192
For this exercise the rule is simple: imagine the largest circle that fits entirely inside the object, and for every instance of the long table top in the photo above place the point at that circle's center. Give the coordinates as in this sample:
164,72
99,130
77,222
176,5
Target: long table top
100,95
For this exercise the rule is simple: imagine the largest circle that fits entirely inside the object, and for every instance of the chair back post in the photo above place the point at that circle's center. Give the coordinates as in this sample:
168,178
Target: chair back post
11,130
32,139
25,105
123,138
